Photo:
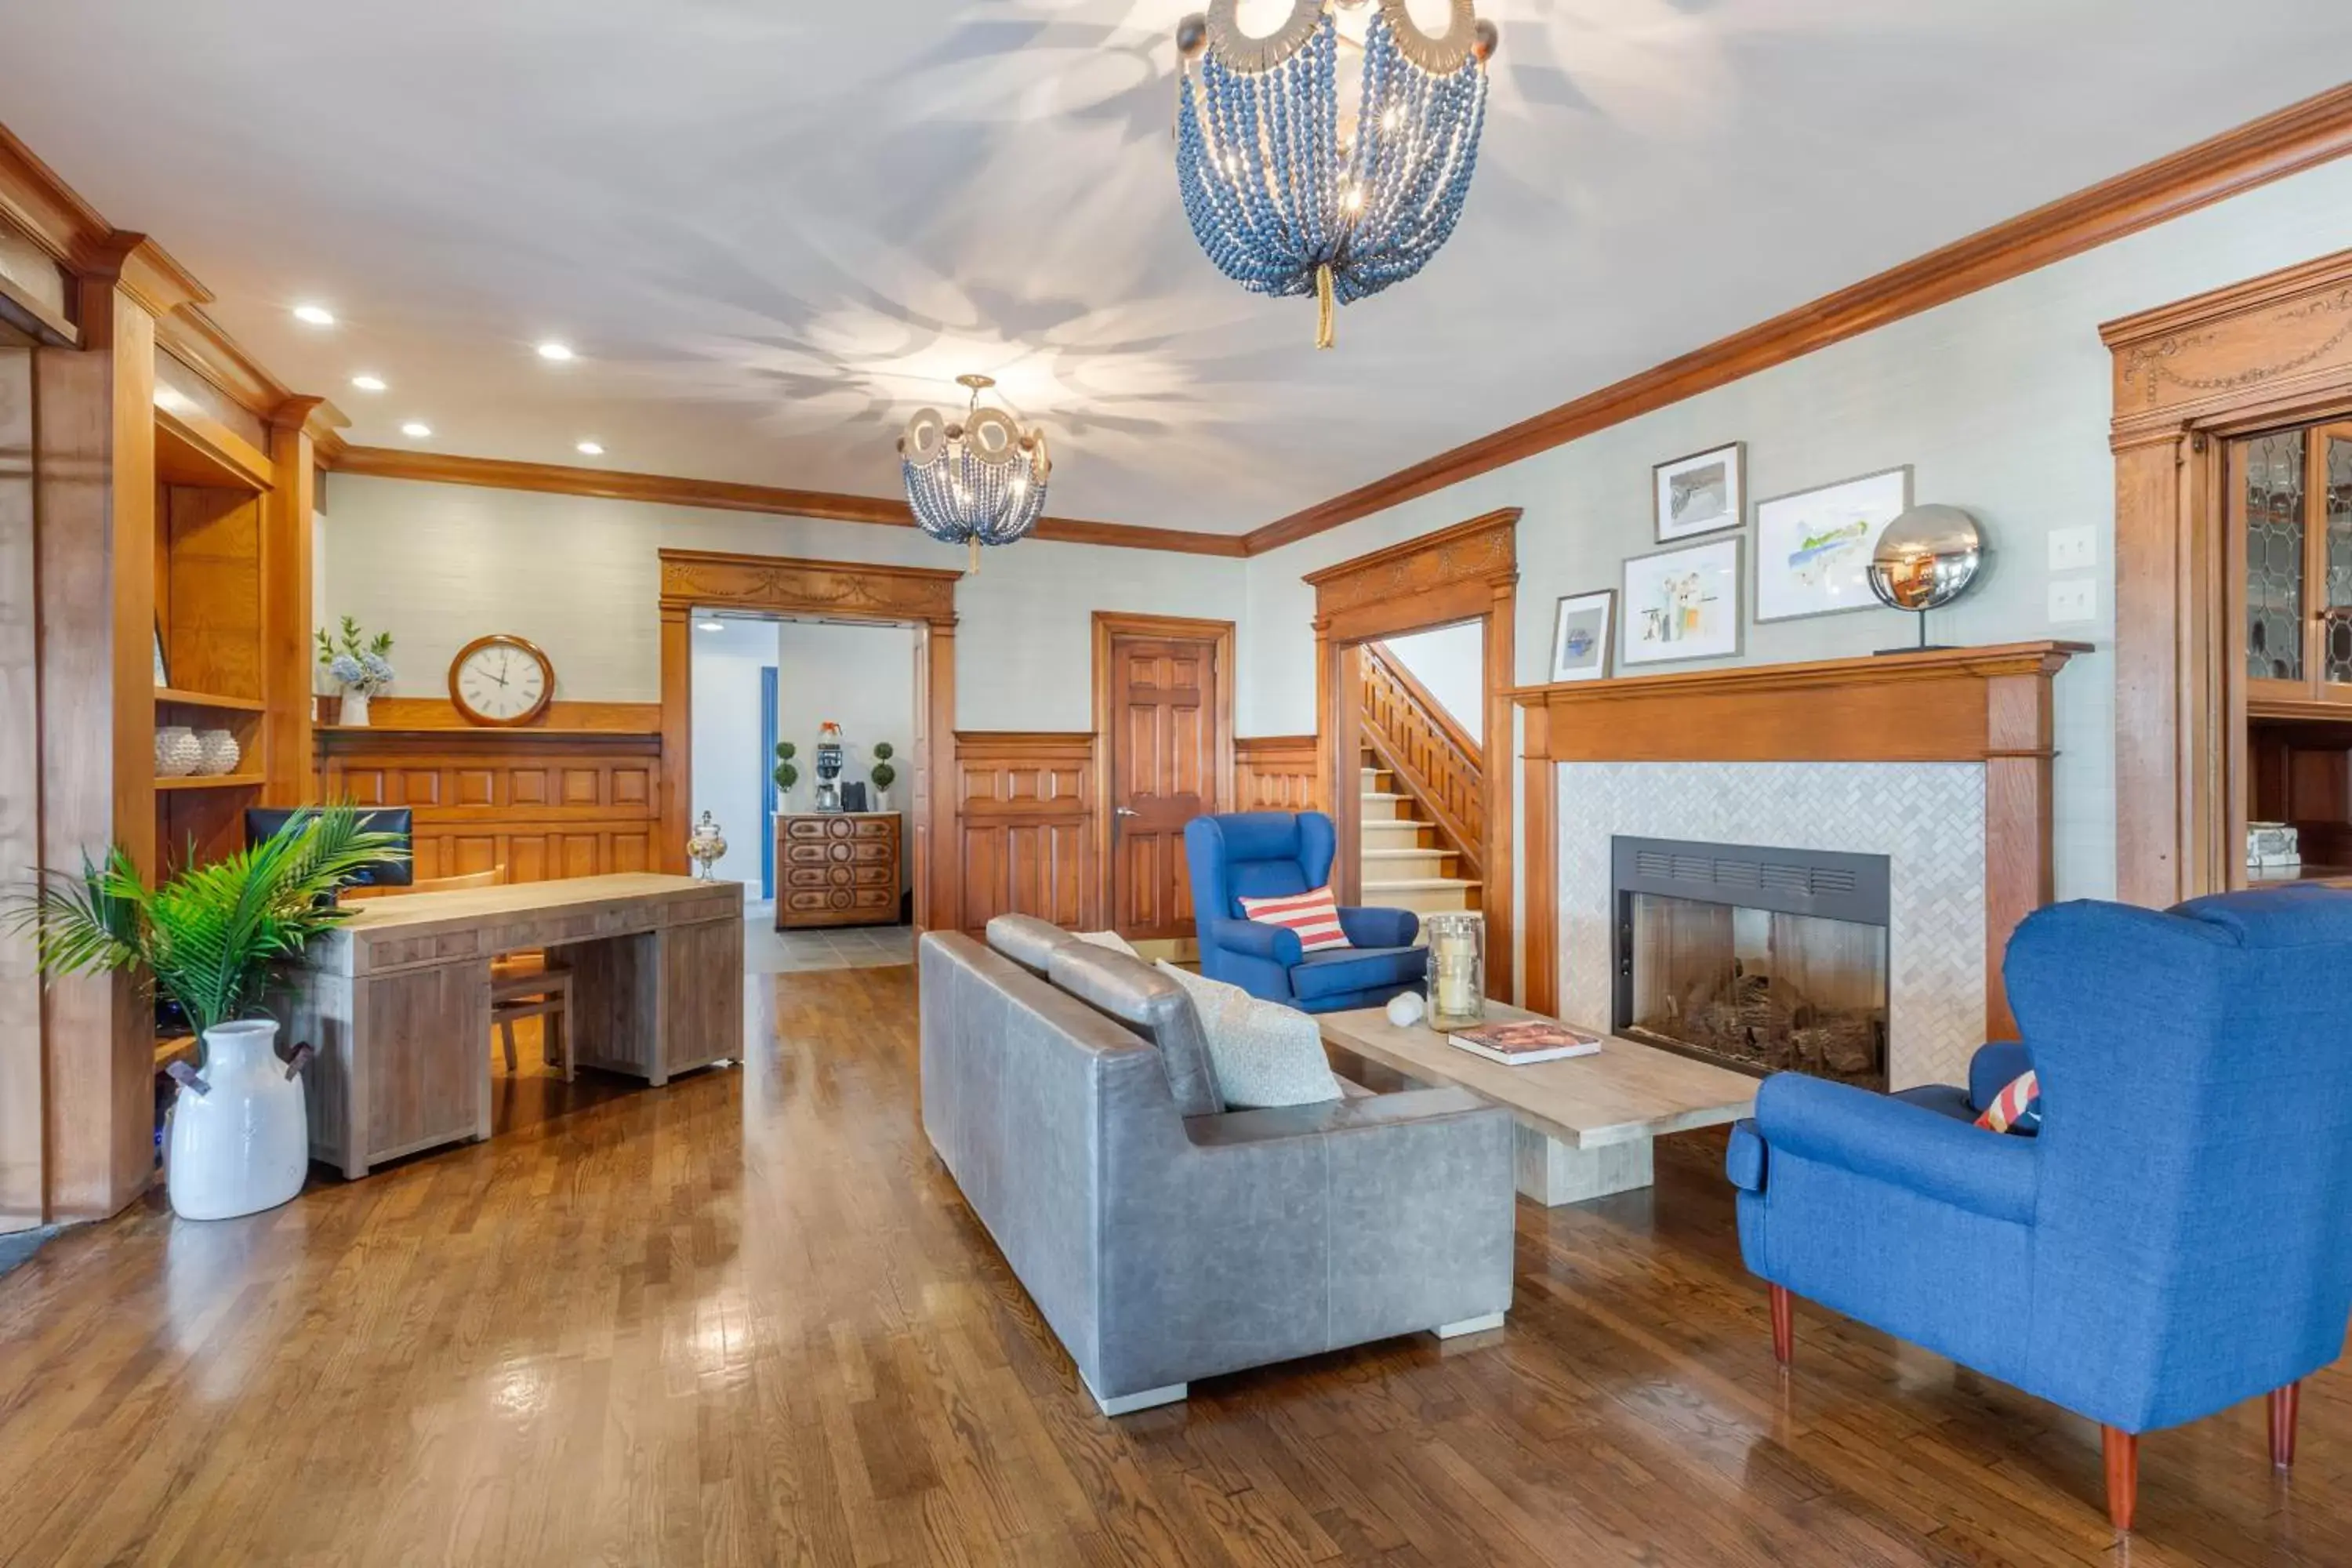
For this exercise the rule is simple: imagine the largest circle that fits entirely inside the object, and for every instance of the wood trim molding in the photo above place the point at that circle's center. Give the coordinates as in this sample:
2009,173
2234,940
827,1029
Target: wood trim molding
668,490
2298,137
698,579
1988,705
1110,624
1466,572
855,590
563,717
42,207
2274,349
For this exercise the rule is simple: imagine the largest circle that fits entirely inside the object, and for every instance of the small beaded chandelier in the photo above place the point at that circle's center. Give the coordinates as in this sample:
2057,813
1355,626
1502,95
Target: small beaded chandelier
981,482
1299,177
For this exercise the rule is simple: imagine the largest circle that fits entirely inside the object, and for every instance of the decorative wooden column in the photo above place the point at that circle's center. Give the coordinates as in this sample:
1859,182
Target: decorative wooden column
287,512
1988,705
94,464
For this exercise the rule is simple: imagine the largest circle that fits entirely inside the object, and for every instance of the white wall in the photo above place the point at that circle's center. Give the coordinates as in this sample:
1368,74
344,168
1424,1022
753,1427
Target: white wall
861,678
1451,665
728,765
1999,402
438,565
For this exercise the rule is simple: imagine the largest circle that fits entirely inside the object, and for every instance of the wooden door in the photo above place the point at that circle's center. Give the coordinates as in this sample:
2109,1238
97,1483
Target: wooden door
1166,737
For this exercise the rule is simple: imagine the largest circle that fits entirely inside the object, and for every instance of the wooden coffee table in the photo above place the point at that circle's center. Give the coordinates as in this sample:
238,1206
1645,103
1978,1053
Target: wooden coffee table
1585,1122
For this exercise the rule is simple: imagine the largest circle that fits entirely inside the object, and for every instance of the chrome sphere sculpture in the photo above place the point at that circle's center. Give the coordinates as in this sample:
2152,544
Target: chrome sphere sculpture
1926,558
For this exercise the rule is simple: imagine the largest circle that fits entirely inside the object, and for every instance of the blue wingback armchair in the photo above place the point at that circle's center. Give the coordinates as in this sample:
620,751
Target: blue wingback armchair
2178,1236
1264,853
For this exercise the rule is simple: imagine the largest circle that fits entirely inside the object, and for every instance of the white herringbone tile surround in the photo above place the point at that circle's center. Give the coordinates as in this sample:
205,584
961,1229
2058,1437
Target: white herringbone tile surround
1927,818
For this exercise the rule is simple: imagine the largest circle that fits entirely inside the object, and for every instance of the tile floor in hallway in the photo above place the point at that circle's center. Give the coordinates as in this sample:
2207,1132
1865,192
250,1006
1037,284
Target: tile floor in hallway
767,950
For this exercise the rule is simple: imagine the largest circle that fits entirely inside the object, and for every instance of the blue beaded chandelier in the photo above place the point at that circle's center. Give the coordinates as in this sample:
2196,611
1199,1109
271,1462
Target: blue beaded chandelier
1300,177
980,481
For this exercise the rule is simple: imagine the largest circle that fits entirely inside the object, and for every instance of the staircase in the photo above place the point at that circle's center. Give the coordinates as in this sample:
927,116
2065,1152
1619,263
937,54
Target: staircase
1406,865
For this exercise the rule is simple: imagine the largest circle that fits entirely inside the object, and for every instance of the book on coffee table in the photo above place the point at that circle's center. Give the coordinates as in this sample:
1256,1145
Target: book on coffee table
1521,1043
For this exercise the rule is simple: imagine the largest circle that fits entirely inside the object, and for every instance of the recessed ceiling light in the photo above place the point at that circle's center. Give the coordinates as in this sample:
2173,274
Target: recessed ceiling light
368,382
713,624
554,352
416,428
592,448
317,315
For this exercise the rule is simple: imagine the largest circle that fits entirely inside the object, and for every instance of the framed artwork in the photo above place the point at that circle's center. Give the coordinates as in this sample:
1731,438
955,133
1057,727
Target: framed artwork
1683,604
163,670
1812,548
1703,493
1580,636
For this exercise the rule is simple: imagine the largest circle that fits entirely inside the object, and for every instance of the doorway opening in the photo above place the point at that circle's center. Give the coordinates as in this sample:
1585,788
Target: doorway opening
826,853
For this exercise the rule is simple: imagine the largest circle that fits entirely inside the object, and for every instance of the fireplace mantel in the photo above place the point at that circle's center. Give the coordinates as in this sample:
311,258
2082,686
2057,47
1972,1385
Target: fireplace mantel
1987,705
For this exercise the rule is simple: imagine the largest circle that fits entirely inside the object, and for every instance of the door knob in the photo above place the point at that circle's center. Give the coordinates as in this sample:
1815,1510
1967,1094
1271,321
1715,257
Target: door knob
1125,811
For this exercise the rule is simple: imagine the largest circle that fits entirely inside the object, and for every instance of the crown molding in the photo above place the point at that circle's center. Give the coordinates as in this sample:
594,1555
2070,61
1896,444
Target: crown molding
720,495
2314,131
47,210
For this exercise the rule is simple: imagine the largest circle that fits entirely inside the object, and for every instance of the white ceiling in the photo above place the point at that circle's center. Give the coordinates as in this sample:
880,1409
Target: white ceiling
772,228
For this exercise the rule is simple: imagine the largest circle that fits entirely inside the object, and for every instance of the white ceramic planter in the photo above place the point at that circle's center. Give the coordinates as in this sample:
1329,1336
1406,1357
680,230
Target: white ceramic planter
240,1130
355,707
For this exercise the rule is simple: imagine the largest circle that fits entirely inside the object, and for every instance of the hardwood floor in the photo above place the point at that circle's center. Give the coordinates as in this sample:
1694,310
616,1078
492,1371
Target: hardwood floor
747,1319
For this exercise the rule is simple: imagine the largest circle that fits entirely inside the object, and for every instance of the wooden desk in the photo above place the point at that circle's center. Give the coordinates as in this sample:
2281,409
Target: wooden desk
1585,1122
396,1001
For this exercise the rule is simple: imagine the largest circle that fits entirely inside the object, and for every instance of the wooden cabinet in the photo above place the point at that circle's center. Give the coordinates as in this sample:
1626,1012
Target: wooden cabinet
837,869
2290,496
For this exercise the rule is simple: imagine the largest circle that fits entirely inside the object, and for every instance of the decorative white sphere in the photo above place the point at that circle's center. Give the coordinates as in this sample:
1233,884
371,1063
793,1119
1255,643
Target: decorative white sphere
178,753
217,753
1406,1008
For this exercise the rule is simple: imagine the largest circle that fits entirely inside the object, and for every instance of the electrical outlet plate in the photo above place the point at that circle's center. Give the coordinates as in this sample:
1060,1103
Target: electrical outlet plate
2073,601
2074,549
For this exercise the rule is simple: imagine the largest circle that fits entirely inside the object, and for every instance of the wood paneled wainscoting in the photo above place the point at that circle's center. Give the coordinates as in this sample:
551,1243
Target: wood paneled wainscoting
1026,807
1277,773
543,803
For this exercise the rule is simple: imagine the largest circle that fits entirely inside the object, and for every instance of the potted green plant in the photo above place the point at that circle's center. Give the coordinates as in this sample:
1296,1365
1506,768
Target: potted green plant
210,939
786,774
883,775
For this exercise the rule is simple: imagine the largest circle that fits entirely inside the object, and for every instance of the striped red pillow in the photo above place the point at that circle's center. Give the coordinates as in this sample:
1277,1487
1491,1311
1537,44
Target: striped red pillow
1314,915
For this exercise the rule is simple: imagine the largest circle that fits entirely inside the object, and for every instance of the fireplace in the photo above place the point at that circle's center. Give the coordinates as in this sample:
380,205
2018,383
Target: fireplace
1759,959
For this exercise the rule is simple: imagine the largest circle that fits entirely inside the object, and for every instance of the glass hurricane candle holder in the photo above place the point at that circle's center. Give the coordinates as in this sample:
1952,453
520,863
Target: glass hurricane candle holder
1457,970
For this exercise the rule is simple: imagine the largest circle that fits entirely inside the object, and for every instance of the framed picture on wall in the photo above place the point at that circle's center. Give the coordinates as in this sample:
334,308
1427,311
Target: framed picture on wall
1683,604
1703,493
1813,548
1580,631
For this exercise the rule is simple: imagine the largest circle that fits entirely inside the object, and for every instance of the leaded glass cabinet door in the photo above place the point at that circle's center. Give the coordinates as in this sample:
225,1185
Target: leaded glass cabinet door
2271,534
2329,508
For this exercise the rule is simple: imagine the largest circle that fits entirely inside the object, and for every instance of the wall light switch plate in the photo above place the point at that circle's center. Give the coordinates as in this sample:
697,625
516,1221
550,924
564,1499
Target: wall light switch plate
2074,549
2074,600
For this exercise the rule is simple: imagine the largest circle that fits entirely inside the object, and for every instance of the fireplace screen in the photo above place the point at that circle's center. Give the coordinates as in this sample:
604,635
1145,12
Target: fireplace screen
1752,958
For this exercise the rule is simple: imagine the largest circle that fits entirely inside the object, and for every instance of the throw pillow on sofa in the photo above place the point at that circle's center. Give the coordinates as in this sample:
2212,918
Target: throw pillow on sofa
1264,1054
2017,1108
1312,914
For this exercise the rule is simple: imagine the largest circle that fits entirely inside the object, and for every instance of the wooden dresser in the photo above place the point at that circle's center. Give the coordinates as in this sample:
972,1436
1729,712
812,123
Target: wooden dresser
837,869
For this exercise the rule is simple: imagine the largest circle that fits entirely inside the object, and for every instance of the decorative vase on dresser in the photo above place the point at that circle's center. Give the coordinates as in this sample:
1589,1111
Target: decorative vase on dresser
837,869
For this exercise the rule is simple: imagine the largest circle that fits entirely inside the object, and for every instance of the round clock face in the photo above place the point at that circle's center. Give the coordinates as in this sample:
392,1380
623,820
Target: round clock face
500,680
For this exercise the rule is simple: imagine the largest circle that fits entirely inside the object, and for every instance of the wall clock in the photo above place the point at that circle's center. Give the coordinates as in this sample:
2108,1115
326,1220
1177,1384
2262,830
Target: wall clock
501,679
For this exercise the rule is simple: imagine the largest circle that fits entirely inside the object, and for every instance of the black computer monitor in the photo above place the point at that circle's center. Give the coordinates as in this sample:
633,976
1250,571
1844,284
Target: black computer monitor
262,821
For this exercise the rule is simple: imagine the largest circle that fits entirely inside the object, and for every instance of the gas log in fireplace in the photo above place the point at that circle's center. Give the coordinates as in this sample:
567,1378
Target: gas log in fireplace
1758,959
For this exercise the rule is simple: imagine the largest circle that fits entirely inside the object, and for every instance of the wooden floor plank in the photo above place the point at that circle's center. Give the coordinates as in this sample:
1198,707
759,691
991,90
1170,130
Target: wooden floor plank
747,1319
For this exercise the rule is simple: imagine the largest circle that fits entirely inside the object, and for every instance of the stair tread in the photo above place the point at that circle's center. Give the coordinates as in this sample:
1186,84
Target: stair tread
1384,795
1415,884
1407,854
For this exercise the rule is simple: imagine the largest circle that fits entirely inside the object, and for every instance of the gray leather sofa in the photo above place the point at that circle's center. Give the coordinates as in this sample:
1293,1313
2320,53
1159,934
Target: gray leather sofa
1068,1089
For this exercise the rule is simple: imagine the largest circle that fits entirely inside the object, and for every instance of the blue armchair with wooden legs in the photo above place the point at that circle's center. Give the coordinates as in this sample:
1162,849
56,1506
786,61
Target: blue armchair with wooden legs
1265,854
2177,1239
